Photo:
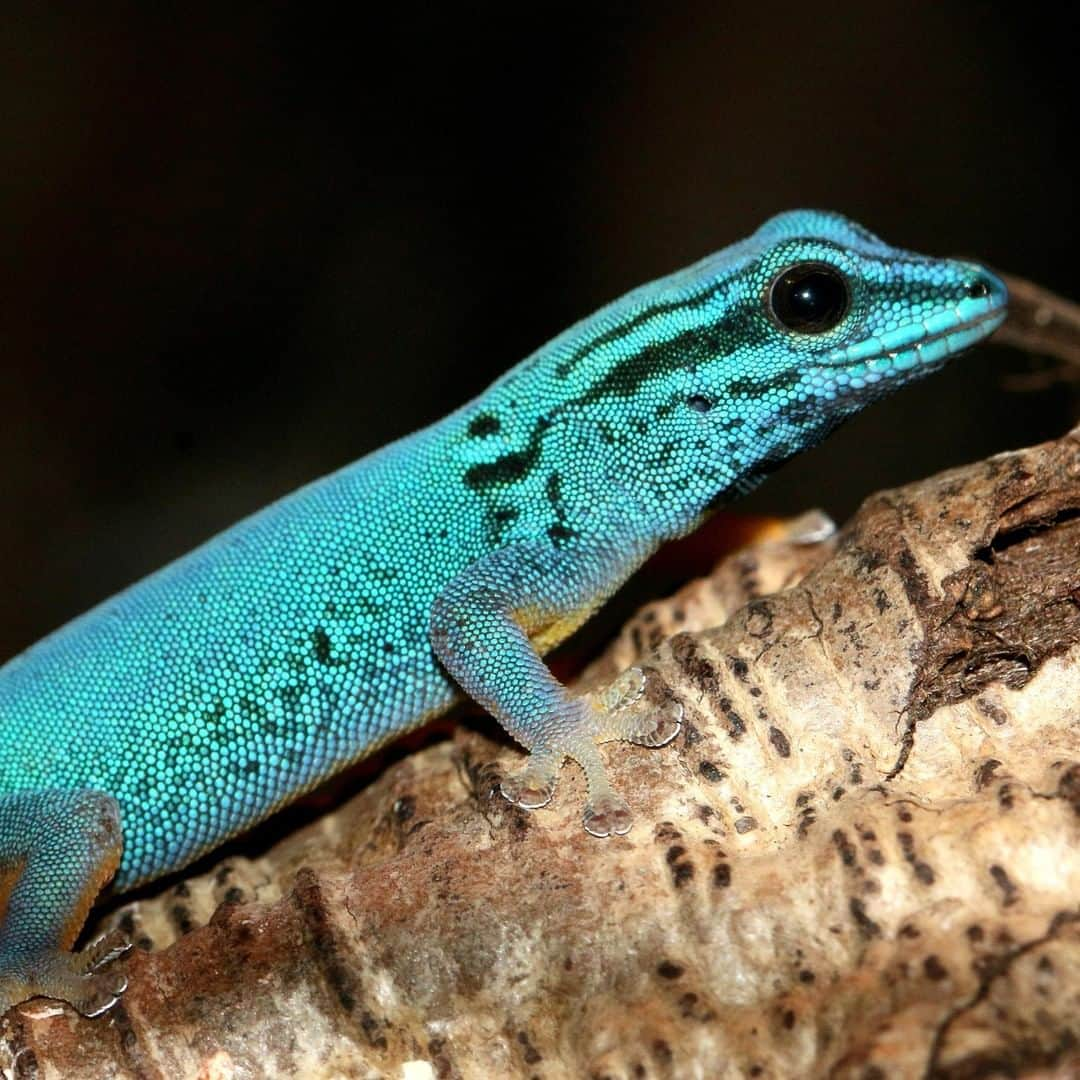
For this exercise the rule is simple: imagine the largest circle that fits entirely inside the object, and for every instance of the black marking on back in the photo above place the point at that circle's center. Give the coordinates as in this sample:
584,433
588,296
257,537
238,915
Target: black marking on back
626,329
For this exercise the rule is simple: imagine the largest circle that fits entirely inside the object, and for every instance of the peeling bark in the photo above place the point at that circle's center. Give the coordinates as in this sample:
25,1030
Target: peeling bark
859,859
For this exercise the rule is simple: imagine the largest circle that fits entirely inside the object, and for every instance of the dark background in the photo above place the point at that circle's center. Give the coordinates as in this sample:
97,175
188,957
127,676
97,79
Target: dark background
244,248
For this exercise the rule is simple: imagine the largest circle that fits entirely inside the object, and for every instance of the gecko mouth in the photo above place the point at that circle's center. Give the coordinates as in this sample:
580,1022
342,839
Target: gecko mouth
904,350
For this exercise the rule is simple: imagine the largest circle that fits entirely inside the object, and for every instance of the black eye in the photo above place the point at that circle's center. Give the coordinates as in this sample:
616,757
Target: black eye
699,403
810,298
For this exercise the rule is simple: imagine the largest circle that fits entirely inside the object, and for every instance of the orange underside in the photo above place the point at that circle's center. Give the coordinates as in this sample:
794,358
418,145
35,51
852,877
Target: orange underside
106,866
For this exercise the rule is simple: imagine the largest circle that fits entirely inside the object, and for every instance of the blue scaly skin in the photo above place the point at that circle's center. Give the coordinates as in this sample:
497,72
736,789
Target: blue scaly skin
200,700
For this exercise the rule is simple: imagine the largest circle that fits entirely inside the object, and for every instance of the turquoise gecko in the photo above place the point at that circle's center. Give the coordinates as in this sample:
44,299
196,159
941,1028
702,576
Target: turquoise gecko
200,700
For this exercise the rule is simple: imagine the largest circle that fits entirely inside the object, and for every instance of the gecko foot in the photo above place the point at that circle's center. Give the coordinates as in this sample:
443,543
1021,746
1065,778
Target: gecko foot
660,726
631,709
608,816
77,978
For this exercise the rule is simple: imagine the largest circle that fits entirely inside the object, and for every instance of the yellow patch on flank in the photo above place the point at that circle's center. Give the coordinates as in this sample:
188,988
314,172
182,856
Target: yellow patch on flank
545,632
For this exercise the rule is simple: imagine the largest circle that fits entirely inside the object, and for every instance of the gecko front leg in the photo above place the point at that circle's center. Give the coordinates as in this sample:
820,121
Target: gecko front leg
57,849
489,626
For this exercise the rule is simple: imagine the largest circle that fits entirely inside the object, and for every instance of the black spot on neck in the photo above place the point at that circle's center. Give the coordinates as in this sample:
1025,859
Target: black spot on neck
484,425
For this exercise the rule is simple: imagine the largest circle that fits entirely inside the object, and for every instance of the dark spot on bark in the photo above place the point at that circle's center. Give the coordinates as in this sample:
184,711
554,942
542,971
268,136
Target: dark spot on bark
369,1024
735,723
923,871
788,1019
975,933
934,968
681,873
867,926
806,976
845,848
665,832
667,970
985,772
1004,883
992,712
721,875
780,742
710,772
529,1052
745,825
1069,787
181,918
739,668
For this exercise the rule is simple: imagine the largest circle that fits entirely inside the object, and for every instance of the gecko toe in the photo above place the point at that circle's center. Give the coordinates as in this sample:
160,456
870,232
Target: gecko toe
608,816
533,785
100,992
659,726
83,980
99,953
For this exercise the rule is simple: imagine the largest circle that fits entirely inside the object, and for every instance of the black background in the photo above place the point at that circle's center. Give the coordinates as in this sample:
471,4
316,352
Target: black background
246,247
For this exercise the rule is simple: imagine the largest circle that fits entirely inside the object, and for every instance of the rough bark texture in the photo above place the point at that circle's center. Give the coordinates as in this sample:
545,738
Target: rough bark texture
859,859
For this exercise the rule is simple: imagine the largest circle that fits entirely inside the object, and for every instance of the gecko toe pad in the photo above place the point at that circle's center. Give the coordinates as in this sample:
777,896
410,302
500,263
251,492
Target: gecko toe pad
660,725
533,785
608,816
529,796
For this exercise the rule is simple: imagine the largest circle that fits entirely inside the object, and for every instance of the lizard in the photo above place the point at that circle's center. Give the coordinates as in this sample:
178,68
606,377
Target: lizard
192,705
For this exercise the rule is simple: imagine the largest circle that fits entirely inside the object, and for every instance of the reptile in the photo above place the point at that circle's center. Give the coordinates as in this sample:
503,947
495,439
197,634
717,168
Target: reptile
195,703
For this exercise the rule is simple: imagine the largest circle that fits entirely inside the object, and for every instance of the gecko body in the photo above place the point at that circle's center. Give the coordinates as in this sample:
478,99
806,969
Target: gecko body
196,702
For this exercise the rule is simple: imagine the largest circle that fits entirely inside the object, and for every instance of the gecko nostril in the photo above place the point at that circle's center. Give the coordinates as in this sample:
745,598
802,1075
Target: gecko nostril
978,288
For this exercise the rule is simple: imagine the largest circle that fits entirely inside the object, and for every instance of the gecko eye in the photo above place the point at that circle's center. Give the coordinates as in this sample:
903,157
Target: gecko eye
810,298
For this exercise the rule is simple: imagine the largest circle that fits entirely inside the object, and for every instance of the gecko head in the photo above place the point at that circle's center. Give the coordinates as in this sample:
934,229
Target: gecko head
688,391
813,318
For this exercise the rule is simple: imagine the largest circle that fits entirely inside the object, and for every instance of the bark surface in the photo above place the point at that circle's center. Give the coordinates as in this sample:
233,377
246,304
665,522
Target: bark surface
860,857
